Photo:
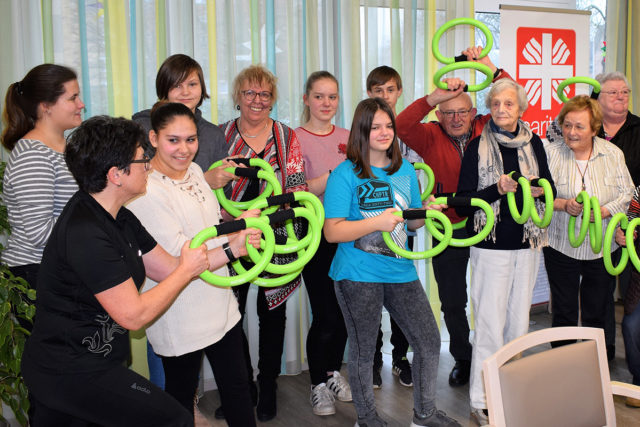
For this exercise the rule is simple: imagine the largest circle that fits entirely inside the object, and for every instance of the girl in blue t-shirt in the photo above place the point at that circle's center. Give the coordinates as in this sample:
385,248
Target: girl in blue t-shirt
361,195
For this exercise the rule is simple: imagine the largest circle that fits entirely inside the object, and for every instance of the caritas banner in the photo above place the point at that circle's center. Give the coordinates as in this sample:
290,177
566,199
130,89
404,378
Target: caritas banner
541,47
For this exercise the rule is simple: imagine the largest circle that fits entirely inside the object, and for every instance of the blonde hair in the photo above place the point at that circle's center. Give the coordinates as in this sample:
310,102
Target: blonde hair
255,74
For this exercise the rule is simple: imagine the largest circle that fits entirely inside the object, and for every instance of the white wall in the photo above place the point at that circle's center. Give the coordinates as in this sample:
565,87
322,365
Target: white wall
494,5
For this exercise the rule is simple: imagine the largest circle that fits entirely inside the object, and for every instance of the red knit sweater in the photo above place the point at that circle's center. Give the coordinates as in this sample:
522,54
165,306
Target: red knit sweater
433,144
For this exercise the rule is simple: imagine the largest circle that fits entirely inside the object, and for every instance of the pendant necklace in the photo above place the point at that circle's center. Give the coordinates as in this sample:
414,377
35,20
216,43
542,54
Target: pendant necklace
583,173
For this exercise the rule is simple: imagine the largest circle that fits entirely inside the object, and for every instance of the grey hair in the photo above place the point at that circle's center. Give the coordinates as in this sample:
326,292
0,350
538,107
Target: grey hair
504,84
602,78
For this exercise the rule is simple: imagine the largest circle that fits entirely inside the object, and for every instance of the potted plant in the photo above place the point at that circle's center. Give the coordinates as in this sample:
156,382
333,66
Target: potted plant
16,302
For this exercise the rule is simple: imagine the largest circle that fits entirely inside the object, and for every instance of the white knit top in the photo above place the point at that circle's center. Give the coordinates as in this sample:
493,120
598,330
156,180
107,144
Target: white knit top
174,212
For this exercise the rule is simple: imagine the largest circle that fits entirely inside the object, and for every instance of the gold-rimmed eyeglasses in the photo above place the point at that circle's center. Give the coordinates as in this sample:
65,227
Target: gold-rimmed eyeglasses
615,93
250,95
145,160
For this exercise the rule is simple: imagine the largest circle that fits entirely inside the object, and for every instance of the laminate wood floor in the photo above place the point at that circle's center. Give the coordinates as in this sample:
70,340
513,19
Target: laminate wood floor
395,402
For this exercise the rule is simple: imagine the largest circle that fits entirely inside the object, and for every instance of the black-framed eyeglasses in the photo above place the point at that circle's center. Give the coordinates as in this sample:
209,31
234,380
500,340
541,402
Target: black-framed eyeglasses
146,160
461,114
250,95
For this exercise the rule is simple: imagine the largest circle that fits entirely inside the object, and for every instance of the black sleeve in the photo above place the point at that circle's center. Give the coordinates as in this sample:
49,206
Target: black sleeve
468,181
146,242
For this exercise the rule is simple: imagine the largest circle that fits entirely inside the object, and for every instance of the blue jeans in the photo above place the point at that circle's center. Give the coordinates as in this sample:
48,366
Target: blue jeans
361,304
631,334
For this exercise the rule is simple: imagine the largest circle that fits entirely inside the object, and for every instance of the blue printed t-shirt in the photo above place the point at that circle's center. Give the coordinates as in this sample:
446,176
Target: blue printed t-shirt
369,259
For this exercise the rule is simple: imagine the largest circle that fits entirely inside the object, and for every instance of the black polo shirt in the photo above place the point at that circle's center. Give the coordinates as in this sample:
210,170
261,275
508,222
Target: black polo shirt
88,252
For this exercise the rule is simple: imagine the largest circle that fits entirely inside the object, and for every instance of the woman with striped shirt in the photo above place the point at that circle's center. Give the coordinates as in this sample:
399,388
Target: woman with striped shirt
37,183
580,161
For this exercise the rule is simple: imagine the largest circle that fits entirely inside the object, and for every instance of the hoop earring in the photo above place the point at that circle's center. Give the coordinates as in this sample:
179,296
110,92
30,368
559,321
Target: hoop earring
270,108
238,107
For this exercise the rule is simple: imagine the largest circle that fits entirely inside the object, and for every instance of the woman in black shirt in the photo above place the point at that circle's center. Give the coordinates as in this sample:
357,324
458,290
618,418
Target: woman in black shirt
93,265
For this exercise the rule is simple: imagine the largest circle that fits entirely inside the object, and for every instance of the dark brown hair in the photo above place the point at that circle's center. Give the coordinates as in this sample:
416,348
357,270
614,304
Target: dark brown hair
358,145
43,83
380,75
314,77
163,112
174,70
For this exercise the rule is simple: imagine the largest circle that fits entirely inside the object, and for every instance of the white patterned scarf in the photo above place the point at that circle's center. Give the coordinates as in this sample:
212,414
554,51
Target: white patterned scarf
490,168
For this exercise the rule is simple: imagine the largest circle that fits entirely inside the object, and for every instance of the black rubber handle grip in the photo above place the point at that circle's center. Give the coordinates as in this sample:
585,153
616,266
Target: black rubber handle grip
458,201
414,214
460,58
231,226
281,216
535,182
241,161
281,199
437,195
516,176
246,172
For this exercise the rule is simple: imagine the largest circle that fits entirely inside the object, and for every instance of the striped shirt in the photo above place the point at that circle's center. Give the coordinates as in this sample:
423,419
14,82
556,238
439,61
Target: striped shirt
608,179
37,186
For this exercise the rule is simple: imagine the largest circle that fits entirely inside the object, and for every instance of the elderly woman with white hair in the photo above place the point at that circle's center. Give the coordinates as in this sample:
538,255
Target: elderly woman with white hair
505,264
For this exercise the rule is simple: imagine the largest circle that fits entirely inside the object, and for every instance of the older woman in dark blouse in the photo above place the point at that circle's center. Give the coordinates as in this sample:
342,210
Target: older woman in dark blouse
506,263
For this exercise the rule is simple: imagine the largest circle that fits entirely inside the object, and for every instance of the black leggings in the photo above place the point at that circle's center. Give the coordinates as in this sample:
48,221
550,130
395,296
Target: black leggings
271,335
327,335
226,358
115,397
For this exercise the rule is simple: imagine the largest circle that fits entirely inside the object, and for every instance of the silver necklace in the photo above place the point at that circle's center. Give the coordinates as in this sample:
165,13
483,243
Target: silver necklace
257,134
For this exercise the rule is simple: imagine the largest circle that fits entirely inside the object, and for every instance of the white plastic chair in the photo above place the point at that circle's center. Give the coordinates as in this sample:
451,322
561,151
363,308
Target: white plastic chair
565,386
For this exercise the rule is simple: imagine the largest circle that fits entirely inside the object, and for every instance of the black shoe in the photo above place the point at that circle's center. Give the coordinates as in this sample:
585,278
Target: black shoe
253,390
402,369
377,377
460,373
611,352
219,413
267,409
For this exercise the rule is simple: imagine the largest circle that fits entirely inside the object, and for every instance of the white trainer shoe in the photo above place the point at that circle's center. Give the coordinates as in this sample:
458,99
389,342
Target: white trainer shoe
339,386
322,400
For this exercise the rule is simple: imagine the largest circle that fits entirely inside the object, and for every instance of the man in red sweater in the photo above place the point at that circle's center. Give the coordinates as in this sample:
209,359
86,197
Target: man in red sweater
442,144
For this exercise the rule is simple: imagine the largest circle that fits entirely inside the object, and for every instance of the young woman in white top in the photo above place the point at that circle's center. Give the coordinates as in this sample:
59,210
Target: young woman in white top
323,148
203,319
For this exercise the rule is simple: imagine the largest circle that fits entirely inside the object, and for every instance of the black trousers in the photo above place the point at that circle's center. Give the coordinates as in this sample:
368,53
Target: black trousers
450,271
226,358
270,336
28,272
610,319
115,397
327,336
579,288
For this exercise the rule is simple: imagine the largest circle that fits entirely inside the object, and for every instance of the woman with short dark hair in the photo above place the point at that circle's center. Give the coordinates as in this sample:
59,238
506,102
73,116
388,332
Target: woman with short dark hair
37,184
92,269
